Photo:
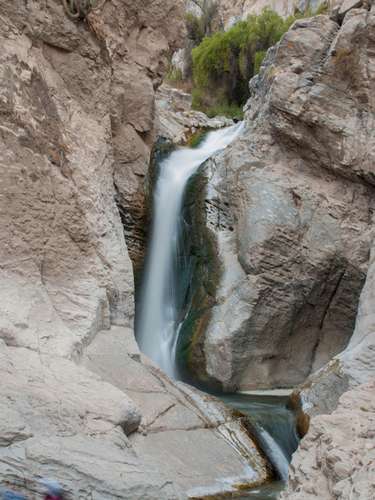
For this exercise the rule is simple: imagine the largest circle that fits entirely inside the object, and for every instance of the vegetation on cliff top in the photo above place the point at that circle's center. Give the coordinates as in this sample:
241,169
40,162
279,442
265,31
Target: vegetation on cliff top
219,67
224,62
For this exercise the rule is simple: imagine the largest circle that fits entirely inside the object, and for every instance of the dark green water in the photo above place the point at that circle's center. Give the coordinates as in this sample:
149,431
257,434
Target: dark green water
277,436
269,492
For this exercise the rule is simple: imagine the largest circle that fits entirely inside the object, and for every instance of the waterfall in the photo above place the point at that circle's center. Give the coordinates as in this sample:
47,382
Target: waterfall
158,323
273,424
274,453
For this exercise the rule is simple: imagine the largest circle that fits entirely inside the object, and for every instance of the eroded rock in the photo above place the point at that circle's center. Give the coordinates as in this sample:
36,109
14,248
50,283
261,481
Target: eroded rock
336,458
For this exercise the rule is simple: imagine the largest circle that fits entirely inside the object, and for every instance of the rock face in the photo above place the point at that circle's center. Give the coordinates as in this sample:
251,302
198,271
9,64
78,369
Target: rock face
290,209
355,365
77,121
63,100
336,459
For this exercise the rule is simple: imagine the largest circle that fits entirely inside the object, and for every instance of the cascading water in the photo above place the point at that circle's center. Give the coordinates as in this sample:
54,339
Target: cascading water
275,428
160,312
158,322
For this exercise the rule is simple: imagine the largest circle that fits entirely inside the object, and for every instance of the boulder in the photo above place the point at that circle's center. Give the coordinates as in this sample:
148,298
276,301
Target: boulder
190,437
288,210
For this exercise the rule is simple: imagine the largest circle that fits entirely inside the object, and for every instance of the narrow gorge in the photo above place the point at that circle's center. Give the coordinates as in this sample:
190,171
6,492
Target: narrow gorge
187,297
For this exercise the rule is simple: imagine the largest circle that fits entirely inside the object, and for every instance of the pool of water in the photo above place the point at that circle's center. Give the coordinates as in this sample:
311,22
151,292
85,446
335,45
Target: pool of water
267,492
276,427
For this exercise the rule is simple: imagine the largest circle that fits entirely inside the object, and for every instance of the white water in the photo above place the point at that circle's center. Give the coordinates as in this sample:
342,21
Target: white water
274,453
157,331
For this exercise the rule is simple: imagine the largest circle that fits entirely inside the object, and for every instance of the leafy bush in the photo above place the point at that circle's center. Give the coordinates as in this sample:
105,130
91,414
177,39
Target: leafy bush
174,75
258,59
194,28
224,62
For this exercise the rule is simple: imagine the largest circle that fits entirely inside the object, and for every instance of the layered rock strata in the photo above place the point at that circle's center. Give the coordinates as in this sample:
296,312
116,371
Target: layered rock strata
290,208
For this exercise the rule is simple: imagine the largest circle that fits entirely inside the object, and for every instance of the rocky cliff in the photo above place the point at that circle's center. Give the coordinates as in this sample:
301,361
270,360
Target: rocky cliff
228,12
78,402
290,208
336,458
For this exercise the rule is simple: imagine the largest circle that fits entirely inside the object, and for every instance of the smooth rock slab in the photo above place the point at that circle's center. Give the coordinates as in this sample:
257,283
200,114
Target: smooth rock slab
192,438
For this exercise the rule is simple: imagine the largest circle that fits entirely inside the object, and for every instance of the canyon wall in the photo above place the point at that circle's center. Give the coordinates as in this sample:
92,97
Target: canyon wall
78,401
228,12
290,209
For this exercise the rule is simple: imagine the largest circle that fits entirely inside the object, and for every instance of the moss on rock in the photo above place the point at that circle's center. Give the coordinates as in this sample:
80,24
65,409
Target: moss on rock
205,271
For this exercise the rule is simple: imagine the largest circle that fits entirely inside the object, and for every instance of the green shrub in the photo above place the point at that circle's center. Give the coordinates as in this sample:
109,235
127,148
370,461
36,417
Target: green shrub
174,75
258,59
225,61
228,110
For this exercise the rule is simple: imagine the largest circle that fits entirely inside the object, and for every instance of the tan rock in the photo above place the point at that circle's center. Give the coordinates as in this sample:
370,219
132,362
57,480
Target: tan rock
77,119
336,458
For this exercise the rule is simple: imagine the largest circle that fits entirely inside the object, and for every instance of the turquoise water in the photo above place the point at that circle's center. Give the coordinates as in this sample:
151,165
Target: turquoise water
270,413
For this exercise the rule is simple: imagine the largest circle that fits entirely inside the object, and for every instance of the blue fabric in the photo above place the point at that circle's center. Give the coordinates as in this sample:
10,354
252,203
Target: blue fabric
52,486
10,495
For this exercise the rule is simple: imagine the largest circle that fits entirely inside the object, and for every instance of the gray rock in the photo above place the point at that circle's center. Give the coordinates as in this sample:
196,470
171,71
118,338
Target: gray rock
184,434
290,207
348,5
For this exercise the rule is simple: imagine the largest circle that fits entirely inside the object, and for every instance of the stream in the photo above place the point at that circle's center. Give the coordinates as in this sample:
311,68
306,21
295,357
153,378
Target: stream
277,435
159,317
